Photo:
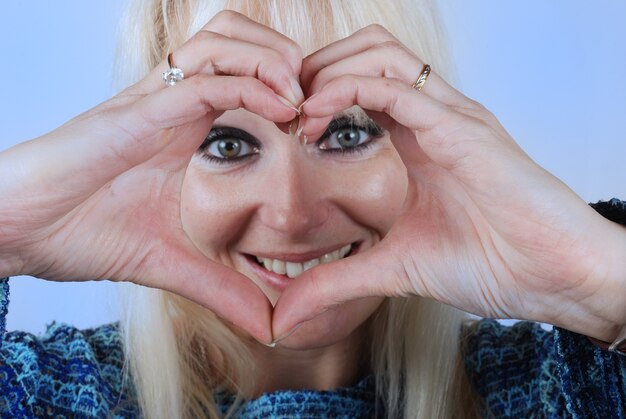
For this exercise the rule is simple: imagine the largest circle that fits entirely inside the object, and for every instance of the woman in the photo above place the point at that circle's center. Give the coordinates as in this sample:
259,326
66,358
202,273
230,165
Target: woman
199,191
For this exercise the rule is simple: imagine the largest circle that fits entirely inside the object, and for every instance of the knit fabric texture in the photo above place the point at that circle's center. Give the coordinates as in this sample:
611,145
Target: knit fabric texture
519,371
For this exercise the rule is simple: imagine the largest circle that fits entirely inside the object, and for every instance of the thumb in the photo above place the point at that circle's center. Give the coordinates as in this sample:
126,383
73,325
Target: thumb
185,271
371,273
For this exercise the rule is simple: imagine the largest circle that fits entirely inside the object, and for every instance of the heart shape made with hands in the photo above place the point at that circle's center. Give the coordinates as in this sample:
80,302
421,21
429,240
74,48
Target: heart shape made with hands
453,221
460,163
330,320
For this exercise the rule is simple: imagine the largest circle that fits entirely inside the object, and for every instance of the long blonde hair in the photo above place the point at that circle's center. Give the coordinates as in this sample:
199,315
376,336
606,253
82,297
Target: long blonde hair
179,354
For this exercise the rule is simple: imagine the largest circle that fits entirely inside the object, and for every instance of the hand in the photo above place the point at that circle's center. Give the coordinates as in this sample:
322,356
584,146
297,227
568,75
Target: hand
99,198
484,228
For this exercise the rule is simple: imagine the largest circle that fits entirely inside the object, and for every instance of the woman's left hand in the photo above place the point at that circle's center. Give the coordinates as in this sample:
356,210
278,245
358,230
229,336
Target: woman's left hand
484,228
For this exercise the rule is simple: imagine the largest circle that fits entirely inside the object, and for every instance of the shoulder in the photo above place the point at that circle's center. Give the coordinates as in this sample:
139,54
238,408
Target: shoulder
512,364
525,370
65,371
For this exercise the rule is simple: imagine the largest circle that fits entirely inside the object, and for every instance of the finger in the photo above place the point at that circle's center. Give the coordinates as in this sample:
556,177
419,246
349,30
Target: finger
118,139
388,59
193,100
371,273
232,296
391,96
377,40
238,26
447,136
214,54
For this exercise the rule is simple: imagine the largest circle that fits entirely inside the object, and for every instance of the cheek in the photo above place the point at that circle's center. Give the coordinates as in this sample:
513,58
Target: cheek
376,193
209,212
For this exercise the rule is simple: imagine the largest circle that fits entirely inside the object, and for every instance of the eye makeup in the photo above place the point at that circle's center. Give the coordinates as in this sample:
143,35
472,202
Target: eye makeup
226,139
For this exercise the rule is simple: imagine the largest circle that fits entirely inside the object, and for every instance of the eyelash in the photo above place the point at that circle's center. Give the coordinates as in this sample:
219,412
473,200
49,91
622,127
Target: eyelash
370,127
338,124
219,133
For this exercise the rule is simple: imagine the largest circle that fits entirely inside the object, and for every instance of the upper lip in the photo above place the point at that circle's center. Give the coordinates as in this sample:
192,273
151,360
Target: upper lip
299,257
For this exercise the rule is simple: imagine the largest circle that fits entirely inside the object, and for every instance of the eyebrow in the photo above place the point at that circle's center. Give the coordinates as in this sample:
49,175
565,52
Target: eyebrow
356,114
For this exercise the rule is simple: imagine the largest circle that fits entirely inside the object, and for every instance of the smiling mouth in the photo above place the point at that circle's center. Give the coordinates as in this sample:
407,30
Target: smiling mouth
294,269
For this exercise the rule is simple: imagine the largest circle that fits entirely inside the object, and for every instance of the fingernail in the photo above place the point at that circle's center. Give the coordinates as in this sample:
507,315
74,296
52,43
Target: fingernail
297,90
288,104
300,108
285,336
300,127
304,140
293,125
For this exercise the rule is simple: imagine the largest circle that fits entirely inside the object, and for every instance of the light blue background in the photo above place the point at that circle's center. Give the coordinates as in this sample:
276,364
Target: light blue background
553,72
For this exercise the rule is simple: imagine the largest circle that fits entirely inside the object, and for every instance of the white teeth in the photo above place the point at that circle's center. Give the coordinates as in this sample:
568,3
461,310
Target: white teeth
311,263
328,257
344,250
279,267
293,269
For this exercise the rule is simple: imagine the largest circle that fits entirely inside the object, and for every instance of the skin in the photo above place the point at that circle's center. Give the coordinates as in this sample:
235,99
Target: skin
473,223
294,199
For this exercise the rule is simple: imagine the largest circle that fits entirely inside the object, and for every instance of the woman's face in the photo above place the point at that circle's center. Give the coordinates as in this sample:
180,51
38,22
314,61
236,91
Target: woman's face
256,200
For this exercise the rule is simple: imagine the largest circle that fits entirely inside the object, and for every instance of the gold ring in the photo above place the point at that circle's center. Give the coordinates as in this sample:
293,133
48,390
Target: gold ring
419,83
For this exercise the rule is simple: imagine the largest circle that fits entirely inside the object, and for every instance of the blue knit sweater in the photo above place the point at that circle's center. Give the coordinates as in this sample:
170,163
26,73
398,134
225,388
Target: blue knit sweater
519,371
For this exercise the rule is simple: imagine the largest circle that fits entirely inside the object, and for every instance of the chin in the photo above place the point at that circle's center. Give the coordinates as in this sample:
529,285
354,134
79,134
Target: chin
333,326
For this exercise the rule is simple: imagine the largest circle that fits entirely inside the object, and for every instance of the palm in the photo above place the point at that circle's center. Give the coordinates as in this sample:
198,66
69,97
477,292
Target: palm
116,216
493,234
485,239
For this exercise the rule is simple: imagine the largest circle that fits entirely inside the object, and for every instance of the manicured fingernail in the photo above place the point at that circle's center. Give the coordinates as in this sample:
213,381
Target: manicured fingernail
293,125
297,90
285,336
289,104
300,127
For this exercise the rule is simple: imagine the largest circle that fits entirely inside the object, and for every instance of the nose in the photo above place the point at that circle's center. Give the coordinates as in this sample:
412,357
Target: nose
295,200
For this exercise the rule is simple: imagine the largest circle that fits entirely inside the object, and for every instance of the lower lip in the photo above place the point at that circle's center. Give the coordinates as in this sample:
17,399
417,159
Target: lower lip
278,282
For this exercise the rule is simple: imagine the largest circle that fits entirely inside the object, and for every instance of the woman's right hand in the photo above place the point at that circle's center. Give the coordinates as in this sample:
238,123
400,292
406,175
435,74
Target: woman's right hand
99,197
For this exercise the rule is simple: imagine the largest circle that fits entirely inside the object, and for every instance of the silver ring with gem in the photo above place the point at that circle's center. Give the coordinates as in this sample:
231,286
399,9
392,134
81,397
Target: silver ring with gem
174,74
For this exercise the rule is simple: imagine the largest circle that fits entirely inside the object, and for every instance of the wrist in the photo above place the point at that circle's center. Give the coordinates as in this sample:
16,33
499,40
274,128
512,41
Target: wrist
595,306
610,275
10,265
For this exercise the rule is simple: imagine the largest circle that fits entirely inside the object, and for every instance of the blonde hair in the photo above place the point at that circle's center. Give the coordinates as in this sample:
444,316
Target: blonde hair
178,353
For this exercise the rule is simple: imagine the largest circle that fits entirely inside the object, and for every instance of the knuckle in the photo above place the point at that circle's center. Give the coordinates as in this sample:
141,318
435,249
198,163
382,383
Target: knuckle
295,50
225,20
200,79
203,37
391,44
227,16
272,56
376,29
392,50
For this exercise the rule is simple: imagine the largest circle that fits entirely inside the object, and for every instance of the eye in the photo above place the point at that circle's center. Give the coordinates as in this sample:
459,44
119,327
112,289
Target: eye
343,135
347,137
227,144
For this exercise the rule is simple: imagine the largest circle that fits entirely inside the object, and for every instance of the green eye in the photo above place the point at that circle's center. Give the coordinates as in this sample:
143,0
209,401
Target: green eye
228,148
227,144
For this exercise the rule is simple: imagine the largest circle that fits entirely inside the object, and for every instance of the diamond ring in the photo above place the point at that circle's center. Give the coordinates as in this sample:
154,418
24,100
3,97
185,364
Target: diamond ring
174,74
